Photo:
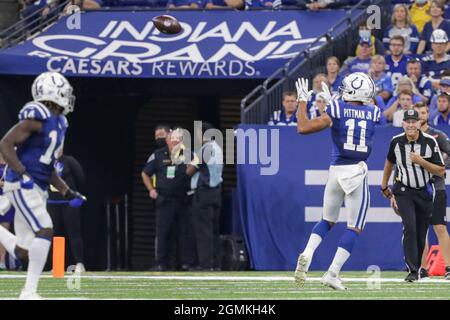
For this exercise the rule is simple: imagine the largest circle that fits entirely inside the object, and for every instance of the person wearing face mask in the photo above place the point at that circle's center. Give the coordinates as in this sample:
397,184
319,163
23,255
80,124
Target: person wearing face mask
417,158
376,45
161,132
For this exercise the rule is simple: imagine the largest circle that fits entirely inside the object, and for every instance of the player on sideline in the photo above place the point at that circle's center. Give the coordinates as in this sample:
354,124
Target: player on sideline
352,120
29,149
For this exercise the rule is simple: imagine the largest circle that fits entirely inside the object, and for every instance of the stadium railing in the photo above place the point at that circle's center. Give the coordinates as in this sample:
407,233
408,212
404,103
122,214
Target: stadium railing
266,97
30,25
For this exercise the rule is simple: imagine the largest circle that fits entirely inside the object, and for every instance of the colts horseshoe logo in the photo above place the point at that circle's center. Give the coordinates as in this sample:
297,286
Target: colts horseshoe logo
55,82
353,83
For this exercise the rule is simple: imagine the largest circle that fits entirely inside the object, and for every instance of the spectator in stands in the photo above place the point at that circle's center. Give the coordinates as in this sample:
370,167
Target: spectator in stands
365,31
443,107
217,4
313,111
376,100
419,13
320,4
397,60
402,26
395,112
404,84
333,76
382,81
86,4
360,63
183,4
35,12
318,105
444,88
254,4
423,85
437,22
287,116
435,63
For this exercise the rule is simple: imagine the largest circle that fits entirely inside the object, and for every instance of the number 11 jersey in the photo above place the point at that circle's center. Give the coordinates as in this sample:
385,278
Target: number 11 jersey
352,131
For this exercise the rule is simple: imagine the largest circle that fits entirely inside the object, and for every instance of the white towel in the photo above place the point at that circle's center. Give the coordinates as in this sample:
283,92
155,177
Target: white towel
351,177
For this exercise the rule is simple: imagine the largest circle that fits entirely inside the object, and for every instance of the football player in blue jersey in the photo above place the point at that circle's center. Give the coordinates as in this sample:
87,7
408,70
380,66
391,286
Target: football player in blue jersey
352,120
29,149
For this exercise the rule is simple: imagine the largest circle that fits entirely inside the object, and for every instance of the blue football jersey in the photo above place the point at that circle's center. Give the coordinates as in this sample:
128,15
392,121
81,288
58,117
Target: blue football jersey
39,151
432,69
352,131
396,70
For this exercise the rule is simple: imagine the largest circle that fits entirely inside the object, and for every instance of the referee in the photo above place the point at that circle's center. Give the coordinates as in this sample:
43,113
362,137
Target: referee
439,214
418,158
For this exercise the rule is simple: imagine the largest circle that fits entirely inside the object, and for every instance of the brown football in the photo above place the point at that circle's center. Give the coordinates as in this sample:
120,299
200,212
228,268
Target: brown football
167,24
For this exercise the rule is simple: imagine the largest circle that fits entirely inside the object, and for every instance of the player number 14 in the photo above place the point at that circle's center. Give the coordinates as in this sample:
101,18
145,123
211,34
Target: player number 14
349,145
47,157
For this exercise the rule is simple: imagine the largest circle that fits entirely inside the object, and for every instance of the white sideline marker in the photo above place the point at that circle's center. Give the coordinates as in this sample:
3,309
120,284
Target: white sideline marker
228,278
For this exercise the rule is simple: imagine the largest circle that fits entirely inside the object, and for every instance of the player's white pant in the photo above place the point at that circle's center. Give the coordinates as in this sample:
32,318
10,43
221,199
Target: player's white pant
347,183
31,212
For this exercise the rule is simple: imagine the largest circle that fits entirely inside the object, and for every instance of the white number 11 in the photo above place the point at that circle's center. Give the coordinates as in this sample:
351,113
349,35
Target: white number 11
349,145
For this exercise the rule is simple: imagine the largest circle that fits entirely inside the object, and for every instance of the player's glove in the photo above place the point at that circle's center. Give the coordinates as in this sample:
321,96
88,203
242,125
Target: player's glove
75,198
326,92
302,90
26,182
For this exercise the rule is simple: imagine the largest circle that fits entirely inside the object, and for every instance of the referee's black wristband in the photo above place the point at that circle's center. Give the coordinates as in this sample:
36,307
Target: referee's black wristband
383,190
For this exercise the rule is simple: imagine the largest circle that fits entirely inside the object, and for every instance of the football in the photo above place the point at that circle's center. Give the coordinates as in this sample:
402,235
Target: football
167,24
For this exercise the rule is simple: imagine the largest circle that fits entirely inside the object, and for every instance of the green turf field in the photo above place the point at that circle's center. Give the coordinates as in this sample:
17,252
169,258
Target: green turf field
248,285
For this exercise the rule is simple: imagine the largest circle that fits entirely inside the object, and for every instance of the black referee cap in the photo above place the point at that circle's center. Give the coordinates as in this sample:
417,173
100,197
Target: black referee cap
410,114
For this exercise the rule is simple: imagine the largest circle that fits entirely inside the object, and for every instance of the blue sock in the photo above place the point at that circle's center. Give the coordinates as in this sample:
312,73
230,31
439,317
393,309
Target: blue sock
321,228
348,240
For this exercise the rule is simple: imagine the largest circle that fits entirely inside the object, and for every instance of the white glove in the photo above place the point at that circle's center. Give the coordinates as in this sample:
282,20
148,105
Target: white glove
302,90
326,92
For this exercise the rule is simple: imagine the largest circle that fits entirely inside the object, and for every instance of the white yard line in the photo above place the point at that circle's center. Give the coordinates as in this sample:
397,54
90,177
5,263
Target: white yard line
226,278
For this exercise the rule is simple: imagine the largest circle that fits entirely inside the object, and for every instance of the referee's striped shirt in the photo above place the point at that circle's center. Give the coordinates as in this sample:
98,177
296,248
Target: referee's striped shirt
410,174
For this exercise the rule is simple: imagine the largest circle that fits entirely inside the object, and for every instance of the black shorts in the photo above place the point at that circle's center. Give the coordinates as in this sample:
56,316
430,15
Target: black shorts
439,215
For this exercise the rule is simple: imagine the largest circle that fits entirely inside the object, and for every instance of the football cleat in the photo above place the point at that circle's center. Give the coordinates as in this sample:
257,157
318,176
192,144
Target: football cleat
301,270
412,277
331,280
423,275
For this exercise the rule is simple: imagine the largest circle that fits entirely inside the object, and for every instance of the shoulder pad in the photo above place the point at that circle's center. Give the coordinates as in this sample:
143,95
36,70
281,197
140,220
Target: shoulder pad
34,111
